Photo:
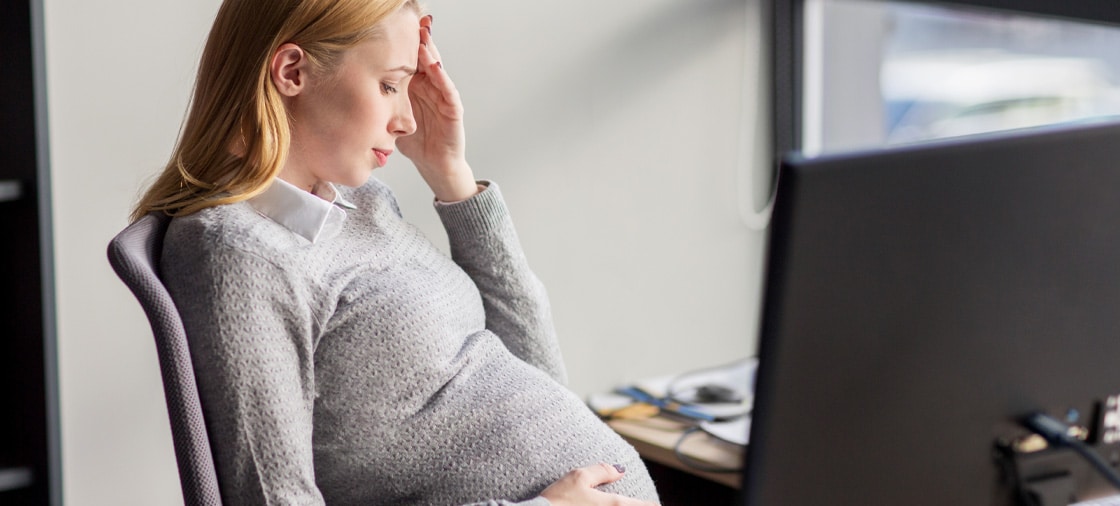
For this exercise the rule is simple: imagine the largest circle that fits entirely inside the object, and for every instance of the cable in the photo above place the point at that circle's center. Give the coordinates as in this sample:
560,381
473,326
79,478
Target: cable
755,219
692,463
1057,434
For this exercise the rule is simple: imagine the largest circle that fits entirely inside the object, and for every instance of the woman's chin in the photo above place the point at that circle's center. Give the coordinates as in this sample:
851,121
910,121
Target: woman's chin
356,180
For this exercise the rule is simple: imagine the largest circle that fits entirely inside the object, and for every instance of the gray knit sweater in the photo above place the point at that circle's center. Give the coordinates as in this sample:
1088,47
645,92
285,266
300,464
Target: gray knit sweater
369,368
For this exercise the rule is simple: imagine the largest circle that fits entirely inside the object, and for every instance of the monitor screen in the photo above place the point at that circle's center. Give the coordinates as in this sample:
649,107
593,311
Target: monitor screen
919,301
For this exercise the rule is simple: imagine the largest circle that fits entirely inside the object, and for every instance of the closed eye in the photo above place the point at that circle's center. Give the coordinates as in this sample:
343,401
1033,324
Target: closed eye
388,89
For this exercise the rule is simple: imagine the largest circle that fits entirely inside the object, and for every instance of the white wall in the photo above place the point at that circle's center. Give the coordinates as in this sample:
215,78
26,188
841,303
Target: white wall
613,127
119,75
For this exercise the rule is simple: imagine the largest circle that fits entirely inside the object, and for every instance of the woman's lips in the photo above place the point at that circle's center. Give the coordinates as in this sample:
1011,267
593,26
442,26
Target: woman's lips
382,157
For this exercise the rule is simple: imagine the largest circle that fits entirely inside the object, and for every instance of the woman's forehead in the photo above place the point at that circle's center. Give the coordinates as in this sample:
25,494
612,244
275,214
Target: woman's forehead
397,38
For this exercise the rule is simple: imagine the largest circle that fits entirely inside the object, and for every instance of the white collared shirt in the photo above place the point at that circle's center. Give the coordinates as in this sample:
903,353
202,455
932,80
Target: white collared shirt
313,216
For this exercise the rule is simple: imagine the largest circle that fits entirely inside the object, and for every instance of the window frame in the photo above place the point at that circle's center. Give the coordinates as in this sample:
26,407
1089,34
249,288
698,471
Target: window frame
787,36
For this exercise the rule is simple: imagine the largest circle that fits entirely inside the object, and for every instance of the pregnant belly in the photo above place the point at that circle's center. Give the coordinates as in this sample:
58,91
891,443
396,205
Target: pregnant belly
500,429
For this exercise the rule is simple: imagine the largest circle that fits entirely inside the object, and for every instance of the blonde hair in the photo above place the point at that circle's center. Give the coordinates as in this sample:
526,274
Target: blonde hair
236,135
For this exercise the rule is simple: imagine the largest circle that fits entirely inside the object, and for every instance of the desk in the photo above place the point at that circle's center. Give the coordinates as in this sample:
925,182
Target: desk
655,438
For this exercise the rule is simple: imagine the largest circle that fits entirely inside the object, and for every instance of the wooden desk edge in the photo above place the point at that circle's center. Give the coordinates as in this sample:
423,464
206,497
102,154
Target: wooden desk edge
655,439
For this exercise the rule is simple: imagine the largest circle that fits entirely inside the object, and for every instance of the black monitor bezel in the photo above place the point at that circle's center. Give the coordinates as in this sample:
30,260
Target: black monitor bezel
1059,163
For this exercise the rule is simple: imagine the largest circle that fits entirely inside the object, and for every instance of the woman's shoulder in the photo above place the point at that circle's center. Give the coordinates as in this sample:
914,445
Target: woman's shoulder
224,228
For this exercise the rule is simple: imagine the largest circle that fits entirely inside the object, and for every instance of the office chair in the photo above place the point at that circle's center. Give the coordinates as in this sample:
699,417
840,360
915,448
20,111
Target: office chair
134,254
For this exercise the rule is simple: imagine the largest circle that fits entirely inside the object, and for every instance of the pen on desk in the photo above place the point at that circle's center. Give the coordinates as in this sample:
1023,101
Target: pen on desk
688,412
670,407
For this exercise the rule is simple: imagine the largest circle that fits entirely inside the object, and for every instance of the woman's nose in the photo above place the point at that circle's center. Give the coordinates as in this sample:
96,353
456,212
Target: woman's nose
403,123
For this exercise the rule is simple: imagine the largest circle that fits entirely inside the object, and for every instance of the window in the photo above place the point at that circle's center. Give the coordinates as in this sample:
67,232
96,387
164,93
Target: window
874,73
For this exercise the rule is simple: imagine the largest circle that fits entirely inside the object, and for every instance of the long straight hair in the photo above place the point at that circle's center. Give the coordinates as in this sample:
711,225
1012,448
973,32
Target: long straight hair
236,136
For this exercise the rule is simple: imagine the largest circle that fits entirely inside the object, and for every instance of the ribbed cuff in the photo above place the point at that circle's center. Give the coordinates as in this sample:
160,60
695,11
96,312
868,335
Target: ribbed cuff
482,212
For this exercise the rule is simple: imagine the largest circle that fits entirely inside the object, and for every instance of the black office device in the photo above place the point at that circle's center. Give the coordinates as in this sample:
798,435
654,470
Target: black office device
922,302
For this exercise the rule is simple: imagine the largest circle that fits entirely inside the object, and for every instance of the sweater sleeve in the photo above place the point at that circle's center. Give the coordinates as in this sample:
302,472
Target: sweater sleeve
484,243
250,331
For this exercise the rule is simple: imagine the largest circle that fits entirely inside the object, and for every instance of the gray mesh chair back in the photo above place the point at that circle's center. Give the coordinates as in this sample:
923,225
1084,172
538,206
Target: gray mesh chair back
134,254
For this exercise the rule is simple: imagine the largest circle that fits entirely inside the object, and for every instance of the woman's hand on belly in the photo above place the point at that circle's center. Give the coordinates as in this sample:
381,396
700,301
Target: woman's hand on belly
578,488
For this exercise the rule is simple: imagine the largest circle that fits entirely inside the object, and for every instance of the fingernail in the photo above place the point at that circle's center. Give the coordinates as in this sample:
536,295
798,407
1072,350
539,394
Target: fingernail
429,28
439,64
620,468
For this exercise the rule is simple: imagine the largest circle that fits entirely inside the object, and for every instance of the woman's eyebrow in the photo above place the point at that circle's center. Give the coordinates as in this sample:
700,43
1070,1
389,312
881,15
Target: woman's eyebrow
404,68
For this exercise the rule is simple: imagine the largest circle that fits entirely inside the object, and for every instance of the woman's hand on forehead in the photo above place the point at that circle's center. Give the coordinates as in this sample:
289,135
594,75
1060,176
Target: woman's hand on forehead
438,148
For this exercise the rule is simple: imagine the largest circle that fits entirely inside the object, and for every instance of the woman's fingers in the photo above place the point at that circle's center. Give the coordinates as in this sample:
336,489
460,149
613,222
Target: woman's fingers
426,37
600,474
578,488
427,45
427,51
432,67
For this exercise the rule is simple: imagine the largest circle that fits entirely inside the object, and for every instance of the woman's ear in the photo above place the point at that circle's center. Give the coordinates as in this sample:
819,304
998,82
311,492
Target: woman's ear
289,69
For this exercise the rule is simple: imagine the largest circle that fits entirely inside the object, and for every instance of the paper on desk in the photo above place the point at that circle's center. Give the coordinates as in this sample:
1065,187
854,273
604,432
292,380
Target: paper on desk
603,402
737,431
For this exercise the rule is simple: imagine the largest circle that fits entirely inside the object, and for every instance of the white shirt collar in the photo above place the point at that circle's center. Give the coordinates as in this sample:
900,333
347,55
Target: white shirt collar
313,216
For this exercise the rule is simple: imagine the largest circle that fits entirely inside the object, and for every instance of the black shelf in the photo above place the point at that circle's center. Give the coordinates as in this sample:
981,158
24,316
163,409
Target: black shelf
29,453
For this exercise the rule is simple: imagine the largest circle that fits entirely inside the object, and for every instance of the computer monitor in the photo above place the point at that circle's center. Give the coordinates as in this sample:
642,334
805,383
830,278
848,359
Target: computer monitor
919,301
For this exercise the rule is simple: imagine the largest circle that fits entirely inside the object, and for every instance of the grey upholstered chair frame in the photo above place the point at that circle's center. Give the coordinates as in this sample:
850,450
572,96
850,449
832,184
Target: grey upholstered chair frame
134,254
